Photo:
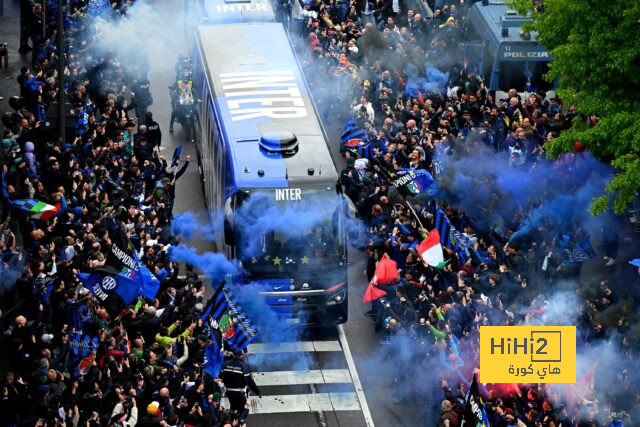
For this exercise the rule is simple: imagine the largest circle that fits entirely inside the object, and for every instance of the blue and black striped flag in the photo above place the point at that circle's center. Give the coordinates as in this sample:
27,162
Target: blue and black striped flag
82,351
452,238
225,313
353,136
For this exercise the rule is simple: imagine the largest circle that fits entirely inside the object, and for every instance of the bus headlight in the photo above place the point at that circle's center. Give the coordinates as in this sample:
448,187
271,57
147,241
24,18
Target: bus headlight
337,298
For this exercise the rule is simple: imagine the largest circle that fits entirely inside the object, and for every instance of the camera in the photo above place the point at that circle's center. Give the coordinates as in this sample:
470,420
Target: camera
128,403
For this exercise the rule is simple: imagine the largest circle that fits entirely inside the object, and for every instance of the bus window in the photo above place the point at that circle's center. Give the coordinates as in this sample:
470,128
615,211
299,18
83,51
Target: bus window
312,246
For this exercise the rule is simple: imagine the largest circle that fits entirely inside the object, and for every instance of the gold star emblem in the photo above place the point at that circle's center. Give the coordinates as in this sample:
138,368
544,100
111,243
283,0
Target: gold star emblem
276,260
305,259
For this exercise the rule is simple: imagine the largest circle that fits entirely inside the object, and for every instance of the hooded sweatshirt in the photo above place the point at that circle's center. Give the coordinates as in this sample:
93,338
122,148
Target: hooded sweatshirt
30,158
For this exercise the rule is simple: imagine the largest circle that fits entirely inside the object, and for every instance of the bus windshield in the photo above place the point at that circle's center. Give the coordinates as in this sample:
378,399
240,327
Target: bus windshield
305,232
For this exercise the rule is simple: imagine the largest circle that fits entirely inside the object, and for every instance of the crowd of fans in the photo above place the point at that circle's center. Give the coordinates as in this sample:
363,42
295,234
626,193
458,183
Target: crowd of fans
409,117
73,362
146,369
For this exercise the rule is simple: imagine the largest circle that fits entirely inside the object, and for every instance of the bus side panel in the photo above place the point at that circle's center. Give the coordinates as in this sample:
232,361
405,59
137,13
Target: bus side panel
200,83
211,150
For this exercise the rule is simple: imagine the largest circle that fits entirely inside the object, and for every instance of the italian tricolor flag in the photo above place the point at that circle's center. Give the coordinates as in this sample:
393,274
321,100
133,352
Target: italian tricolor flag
431,251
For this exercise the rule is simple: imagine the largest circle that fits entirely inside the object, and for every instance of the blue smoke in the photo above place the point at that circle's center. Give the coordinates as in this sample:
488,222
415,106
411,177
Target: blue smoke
192,226
550,194
271,329
215,265
435,81
11,268
261,214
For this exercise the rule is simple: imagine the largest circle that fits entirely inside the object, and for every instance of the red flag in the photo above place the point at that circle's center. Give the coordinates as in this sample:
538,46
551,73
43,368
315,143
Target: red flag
354,142
386,270
373,292
577,392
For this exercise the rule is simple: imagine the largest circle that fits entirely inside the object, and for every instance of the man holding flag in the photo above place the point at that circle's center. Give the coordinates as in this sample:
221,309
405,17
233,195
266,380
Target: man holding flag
225,314
430,250
122,278
474,413
412,182
228,321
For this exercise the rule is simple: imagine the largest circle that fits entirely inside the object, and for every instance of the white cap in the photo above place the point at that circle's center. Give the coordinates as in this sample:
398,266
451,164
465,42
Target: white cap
46,338
361,164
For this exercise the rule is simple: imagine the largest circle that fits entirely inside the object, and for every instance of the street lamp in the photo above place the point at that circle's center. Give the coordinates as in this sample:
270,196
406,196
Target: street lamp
61,109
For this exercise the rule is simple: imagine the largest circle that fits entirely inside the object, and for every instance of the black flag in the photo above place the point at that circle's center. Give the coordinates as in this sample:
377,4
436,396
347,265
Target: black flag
474,414
122,277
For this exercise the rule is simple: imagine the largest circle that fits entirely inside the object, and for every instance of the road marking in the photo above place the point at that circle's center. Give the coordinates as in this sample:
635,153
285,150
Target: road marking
286,403
316,376
294,347
356,379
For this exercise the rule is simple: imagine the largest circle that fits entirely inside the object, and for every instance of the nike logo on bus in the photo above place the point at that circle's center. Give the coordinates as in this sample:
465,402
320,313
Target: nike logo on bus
275,288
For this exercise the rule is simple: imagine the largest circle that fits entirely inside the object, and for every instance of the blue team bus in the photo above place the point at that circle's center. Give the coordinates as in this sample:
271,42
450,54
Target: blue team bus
269,179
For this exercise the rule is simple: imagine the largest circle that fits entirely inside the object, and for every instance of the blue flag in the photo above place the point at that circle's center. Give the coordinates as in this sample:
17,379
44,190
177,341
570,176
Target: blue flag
32,207
122,277
149,283
411,182
81,345
176,155
213,357
244,331
575,250
117,291
112,291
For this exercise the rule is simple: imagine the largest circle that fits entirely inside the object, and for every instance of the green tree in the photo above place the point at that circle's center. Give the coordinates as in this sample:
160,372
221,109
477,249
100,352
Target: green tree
595,47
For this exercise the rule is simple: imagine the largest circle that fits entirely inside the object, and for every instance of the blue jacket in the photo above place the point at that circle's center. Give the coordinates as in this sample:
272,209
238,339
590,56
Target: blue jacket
30,158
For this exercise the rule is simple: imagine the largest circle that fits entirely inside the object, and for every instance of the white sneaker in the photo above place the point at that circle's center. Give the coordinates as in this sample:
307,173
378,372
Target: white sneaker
606,258
610,262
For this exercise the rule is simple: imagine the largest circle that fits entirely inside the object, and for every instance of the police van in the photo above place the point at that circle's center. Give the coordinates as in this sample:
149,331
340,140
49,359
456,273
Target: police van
497,48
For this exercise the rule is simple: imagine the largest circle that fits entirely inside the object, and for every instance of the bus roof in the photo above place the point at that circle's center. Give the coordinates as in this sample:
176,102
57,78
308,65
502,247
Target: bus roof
272,131
236,11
